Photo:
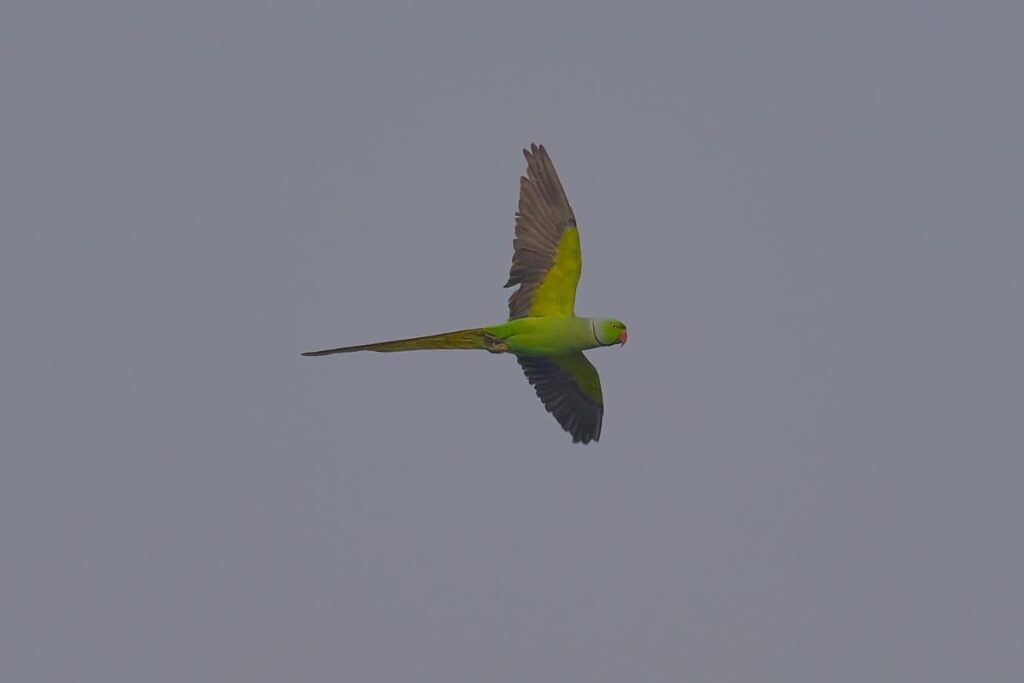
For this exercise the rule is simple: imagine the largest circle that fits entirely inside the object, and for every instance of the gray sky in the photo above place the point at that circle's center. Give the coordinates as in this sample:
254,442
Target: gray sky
810,218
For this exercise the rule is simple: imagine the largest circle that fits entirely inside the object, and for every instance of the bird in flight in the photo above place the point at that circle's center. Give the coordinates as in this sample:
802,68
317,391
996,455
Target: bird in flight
542,330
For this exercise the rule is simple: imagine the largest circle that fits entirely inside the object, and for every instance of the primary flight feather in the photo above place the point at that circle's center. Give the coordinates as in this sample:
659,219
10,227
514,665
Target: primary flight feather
542,331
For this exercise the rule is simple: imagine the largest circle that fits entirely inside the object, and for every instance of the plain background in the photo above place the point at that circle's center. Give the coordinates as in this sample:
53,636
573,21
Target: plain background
809,214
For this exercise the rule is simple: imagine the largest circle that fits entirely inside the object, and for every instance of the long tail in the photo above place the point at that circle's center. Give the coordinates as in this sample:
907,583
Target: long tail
460,339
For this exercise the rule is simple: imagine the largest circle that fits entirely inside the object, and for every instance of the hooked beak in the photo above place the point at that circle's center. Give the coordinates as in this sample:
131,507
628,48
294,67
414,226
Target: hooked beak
622,338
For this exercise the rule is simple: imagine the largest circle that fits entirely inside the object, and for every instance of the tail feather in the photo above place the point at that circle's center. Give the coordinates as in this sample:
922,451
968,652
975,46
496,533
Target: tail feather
460,339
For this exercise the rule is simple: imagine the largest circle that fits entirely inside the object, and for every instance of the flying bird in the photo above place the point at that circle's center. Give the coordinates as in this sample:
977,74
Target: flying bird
542,331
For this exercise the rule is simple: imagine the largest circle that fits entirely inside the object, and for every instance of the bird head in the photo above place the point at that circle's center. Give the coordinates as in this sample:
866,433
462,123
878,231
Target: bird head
610,331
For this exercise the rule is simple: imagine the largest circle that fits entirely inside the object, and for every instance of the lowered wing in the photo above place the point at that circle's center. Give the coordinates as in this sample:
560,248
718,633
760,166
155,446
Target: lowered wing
570,389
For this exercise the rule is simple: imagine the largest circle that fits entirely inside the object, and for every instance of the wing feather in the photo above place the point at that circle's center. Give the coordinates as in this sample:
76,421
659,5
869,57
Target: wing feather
570,389
546,258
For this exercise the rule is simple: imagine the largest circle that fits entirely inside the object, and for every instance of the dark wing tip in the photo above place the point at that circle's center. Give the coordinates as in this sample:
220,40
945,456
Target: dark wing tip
535,150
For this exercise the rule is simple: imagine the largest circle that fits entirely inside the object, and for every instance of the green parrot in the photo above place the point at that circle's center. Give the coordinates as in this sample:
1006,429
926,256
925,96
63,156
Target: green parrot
542,331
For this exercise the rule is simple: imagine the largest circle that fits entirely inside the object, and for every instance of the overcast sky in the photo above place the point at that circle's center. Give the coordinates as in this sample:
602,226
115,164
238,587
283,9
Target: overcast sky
809,215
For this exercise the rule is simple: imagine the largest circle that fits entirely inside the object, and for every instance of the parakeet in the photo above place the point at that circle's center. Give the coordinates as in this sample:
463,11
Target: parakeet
542,330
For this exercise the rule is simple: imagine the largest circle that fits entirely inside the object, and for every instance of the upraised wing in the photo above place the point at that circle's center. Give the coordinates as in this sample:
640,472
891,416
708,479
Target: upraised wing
546,261
570,389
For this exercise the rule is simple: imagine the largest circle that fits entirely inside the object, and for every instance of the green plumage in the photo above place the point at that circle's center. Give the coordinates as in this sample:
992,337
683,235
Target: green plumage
462,339
542,331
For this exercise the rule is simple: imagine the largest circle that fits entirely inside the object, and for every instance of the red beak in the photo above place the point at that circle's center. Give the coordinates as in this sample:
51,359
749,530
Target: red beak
623,337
